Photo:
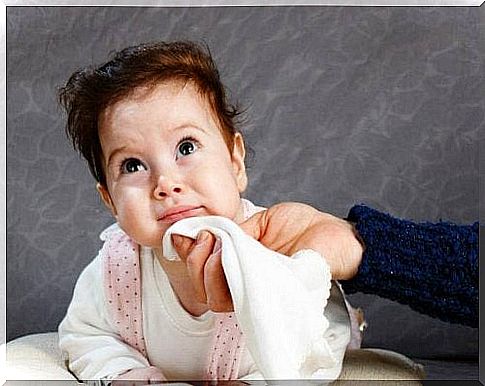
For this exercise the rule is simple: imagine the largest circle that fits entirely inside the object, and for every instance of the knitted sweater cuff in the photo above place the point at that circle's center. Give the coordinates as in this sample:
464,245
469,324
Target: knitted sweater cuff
431,267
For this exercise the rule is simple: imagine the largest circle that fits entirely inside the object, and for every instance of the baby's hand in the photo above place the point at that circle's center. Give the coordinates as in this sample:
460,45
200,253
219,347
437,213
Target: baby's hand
138,377
203,260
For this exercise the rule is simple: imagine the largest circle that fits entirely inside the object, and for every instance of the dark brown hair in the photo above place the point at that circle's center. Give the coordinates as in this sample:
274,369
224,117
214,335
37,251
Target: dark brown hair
89,91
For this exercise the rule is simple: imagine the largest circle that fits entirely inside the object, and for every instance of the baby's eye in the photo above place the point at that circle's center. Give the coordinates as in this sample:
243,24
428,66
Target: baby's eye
186,147
132,165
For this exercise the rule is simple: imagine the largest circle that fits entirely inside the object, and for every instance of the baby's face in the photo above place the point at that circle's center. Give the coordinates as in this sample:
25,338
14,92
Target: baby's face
166,159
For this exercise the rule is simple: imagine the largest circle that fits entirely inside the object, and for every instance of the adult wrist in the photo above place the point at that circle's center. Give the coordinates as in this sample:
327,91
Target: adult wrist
358,249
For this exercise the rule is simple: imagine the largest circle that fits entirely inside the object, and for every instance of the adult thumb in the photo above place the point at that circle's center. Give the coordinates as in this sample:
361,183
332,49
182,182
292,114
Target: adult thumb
255,225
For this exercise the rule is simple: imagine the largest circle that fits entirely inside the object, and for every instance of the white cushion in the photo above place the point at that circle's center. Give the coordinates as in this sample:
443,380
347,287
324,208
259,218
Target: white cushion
37,357
382,365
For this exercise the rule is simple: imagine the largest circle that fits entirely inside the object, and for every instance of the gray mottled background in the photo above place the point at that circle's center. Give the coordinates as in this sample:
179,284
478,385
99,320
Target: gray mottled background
345,105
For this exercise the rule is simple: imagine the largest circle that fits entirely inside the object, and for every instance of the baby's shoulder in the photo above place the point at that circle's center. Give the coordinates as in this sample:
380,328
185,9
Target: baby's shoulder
251,208
94,269
111,231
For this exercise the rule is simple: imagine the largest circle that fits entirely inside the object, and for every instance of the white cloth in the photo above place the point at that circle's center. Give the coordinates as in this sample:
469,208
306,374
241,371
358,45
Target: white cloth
278,302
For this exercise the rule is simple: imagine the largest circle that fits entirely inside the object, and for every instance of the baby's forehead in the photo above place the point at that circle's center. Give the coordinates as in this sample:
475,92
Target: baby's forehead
166,89
166,103
159,93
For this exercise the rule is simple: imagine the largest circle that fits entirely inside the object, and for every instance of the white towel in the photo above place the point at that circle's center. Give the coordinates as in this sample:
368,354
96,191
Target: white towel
278,301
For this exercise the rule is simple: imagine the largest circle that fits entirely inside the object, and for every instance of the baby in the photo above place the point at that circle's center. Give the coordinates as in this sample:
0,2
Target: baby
160,139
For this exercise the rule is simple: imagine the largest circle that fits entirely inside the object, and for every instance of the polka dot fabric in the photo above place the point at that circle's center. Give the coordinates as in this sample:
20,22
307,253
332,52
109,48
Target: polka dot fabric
227,347
123,288
228,341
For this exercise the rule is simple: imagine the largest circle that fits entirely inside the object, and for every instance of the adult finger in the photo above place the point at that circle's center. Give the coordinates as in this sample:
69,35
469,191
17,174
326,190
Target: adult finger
218,294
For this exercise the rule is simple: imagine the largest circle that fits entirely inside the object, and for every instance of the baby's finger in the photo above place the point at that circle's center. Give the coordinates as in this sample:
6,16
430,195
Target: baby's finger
129,382
183,245
196,261
156,377
218,294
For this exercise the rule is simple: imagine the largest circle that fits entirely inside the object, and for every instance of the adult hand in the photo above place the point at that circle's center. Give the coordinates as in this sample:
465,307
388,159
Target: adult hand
285,228
289,227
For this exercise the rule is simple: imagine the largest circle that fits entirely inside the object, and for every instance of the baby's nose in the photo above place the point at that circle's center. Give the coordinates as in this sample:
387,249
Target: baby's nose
167,187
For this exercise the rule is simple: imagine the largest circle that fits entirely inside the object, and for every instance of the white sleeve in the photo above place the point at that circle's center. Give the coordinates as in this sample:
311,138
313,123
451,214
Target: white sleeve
87,335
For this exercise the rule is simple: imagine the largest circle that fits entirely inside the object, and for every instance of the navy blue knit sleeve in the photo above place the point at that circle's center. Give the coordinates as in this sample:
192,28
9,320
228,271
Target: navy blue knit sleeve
432,267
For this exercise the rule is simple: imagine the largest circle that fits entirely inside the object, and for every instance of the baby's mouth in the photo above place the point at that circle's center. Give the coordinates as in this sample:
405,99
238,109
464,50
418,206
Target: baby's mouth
180,212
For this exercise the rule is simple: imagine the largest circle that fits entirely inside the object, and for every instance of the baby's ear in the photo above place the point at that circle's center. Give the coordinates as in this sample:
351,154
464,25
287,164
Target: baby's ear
106,198
238,154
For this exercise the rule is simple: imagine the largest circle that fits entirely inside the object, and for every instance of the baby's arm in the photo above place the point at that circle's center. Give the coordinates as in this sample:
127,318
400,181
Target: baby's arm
87,334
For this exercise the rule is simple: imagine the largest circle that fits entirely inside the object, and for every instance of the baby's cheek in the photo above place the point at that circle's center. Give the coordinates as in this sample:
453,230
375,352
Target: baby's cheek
230,203
130,201
136,219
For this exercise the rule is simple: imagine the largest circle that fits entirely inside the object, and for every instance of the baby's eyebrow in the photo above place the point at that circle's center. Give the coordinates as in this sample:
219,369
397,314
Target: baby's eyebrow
114,152
188,126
